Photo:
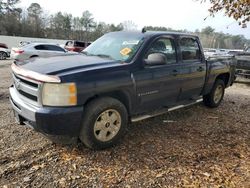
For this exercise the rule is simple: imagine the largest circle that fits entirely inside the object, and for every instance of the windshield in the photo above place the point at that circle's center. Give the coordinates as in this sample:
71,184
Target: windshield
117,46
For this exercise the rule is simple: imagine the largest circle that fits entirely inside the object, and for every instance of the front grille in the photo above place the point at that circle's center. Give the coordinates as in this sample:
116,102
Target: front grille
28,89
29,83
29,96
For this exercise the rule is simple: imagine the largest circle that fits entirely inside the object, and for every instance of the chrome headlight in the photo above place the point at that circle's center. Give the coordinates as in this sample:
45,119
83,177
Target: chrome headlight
59,94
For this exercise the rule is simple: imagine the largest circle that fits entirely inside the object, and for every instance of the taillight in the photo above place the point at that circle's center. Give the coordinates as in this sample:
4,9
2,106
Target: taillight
18,51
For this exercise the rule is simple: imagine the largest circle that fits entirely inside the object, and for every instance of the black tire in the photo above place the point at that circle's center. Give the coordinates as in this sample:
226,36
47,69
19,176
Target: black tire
210,99
94,113
3,55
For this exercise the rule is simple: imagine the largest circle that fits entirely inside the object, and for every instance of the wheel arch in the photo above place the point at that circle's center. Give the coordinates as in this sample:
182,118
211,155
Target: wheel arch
225,77
121,95
32,56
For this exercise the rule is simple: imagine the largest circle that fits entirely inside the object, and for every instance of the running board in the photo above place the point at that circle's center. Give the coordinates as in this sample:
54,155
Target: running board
146,116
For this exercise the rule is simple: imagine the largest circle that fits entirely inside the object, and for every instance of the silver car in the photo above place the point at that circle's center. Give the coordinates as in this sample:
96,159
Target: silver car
32,50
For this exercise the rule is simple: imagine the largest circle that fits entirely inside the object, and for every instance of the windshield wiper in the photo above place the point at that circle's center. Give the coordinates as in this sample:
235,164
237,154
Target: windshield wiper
103,55
99,55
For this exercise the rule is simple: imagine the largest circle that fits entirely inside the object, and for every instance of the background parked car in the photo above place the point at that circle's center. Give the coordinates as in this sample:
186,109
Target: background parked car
76,46
4,51
211,52
32,50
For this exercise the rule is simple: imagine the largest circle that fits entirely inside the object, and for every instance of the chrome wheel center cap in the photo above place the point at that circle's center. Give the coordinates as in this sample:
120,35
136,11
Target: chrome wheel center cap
107,125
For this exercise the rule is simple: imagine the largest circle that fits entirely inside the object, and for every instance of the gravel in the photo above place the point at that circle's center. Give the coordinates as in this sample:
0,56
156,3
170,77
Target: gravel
191,147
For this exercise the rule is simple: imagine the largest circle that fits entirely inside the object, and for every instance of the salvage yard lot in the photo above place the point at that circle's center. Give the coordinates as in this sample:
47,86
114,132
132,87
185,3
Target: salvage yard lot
195,146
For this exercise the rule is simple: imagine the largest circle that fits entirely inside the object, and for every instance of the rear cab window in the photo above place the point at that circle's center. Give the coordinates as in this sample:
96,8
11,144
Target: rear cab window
190,50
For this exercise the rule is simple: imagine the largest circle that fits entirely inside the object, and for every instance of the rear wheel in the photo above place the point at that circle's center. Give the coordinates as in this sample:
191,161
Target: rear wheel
3,55
104,123
214,98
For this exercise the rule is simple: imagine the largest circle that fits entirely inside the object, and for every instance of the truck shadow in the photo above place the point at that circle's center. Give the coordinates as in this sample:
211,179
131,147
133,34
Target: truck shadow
192,136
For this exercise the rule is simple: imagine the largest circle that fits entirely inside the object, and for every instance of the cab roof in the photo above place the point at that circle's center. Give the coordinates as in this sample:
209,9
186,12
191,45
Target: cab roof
154,33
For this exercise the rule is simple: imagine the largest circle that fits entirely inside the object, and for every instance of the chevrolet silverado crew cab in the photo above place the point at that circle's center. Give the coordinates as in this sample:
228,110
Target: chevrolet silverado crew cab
122,77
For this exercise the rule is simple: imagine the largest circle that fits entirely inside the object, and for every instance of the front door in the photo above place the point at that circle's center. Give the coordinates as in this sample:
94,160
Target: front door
158,85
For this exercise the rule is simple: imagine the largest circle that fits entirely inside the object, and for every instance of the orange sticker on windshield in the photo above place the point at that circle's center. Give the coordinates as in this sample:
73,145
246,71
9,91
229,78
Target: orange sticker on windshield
125,51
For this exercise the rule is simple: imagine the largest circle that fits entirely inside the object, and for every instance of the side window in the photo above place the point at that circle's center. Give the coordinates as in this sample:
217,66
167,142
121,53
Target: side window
54,48
40,47
164,46
190,49
80,44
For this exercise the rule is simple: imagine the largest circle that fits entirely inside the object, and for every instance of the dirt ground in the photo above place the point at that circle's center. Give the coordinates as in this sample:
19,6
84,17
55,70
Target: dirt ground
199,147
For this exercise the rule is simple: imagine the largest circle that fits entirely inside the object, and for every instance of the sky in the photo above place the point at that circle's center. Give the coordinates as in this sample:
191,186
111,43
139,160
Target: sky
176,14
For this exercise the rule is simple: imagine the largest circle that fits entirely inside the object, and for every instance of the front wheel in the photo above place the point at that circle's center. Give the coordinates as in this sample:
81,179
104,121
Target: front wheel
104,123
214,98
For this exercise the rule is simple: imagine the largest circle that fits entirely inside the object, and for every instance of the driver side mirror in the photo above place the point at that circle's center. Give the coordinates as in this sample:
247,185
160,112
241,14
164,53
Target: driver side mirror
156,59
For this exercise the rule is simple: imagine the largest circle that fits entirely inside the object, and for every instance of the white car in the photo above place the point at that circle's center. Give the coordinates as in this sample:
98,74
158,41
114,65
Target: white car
32,50
211,52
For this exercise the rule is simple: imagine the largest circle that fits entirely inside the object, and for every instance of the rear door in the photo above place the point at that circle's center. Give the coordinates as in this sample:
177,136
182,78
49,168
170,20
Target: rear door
193,71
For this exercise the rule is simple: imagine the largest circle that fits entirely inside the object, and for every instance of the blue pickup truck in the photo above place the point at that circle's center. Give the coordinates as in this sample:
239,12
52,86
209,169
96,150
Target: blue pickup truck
122,77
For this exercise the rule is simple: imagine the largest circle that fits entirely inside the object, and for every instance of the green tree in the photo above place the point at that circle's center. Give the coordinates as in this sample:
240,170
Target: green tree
77,28
7,6
103,28
113,27
161,28
211,39
35,19
207,30
57,25
88,23
87,20
238,41
67,24
9,17
129,25
61,25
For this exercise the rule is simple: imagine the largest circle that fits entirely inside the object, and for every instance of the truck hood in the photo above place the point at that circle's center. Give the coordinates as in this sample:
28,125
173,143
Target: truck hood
60,65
